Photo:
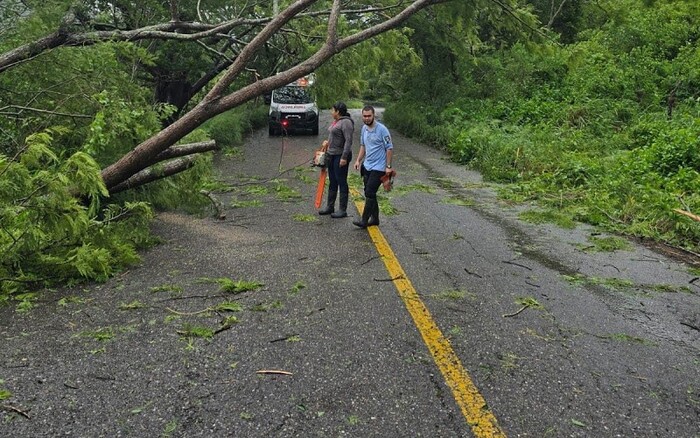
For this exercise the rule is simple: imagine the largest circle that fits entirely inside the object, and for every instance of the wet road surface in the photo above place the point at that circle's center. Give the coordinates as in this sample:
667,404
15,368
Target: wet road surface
319,340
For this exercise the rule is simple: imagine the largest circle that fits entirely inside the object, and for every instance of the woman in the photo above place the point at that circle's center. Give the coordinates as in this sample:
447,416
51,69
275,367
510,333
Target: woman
340,150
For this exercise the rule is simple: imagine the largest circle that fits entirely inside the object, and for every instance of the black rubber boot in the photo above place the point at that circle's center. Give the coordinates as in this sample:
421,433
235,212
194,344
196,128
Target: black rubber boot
366,213
374,213
342,208
330,204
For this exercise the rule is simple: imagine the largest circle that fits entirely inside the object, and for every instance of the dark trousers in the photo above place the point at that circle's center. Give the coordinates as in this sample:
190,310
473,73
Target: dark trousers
338,176
372,180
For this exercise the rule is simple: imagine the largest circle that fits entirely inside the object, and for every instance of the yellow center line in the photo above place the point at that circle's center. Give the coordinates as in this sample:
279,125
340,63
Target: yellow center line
473,406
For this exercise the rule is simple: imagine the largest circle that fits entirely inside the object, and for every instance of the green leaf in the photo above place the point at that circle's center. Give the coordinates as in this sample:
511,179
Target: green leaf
577,423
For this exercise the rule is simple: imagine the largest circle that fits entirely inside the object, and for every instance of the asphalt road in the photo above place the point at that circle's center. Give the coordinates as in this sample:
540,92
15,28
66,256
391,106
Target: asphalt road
558,340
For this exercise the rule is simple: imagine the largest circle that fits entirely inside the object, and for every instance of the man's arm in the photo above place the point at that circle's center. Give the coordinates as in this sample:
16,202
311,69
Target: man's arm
389,145
361,153
389,155
360,157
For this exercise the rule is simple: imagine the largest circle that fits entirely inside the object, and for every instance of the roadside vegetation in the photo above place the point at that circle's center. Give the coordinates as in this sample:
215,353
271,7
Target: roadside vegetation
597,119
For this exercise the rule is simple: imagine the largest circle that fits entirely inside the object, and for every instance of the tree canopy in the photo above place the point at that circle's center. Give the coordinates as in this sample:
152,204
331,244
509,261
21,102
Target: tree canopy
595,116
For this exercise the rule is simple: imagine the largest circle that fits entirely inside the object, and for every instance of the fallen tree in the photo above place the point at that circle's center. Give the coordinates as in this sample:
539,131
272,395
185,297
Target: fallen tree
237,37
86,123
170,162
334,26
218,100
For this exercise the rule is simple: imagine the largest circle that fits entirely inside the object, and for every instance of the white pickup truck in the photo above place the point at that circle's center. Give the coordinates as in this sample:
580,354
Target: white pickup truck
293,109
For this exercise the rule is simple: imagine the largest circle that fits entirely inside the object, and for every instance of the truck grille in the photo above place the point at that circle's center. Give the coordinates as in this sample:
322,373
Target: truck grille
296,117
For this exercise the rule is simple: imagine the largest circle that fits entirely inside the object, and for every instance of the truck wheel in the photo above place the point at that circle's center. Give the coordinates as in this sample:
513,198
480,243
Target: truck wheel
314,131
271,131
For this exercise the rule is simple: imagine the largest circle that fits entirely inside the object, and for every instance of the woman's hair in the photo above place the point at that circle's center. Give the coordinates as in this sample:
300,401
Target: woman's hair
341,108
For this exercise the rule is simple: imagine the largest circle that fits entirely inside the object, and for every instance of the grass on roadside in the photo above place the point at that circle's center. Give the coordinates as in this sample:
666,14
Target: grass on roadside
233,286
605,244
548,216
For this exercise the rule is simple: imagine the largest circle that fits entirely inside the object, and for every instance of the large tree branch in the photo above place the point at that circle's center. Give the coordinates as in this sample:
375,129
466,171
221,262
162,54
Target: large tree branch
173,30
187,149
155,173
216,101
4,111
255,44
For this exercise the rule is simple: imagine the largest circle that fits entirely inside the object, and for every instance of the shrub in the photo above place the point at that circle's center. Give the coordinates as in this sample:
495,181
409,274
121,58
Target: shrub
229,128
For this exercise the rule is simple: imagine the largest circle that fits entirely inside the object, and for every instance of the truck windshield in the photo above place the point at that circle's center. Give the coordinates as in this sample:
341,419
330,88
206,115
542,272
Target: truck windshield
292,95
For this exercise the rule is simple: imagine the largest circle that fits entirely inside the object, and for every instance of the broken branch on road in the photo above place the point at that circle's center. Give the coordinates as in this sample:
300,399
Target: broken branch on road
218,205
15,410
510,262
690,326
472,273
284,373
516,313
398,277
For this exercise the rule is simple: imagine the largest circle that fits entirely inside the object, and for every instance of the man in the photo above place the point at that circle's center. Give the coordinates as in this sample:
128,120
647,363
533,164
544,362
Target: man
374,159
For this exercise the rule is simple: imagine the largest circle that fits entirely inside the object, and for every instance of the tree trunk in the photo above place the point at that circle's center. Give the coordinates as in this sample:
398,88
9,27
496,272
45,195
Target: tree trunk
161,171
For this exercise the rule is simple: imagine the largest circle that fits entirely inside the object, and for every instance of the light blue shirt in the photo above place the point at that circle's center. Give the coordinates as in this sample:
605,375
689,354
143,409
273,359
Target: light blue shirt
376,142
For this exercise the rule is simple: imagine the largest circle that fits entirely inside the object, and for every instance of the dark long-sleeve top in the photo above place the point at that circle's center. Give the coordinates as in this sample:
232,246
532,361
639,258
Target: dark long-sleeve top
340,137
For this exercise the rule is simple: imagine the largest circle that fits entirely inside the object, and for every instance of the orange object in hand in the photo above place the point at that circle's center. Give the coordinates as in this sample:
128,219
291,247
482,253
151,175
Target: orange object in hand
320,187
388,180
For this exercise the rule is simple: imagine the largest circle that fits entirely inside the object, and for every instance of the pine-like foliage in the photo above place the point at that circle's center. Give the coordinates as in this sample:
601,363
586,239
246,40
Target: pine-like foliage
52,227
